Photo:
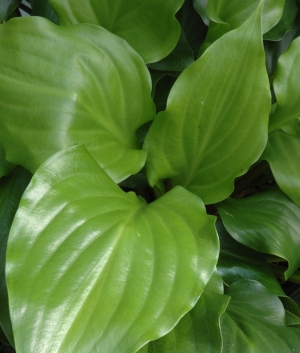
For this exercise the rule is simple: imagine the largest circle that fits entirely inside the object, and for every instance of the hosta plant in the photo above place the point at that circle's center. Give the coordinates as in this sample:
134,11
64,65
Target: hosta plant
150,176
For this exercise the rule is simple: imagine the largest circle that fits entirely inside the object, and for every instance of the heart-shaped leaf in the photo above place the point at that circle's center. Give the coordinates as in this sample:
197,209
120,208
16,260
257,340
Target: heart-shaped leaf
149,26
215,124
75,91
91,268
11,190
255,321
286,86
283,155
268,222
199,330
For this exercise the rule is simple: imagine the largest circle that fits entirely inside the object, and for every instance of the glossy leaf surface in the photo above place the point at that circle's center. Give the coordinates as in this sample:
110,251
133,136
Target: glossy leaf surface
215,124
149,26
255,321
11,190
199,330
6,8
268,222
236,12
237,262
104,271
283,155
56,100
286,86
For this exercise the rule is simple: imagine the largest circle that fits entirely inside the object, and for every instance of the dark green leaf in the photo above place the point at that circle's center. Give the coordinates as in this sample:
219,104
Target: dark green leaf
5,166
285,23
6,8
11,190
43,8
215,124
93,269
255,322
200,6
75,91
268,222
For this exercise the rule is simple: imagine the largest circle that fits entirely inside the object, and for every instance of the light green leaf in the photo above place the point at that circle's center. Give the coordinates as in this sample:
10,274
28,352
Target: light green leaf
215,124
255,322
285,23
286,87
75,91
237,262
11,190
236,12
199,330
6,8
91,268
283,154
149,26
268,222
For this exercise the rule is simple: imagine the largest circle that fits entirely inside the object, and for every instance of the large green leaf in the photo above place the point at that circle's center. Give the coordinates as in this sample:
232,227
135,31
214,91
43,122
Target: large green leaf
255,322
215,124
91,268
199,330
149,26
237,262
286,86
283,155
75,91
6,8
268,222
11,190
236,12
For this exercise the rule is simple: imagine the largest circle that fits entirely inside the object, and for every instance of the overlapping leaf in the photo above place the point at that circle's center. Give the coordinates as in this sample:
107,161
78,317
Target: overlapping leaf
91,268
5,166
255,321
76,90
199,330
286,86
11,190
282,153
268,222
149,26
6,8
237,262
215,124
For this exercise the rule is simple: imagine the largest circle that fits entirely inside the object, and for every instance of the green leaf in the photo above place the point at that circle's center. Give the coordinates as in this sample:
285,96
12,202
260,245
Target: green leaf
104,271
215,124
268,222
236,12
149,26
181,57
285,23
11,190
286,87
237,262
43,8
283,154
6,8
255,321
200,6
199,330
5,166
75,91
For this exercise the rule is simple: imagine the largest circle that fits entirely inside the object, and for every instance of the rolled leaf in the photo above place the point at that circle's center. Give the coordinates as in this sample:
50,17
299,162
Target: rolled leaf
91,268
149,26
75,91
286,87
268,222
255,321
215,124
